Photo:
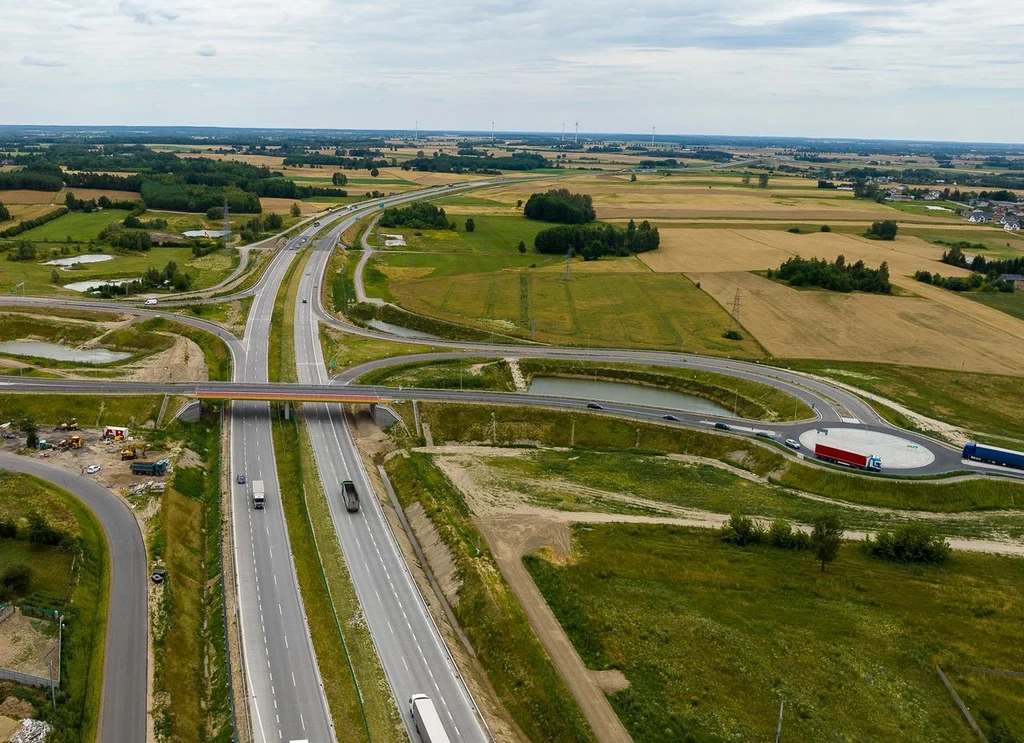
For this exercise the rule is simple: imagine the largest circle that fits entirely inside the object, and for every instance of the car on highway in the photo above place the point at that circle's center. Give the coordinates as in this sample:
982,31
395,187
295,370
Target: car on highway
92,469
240,479
723,426
792,443
594,406
150,301
670,417
304,301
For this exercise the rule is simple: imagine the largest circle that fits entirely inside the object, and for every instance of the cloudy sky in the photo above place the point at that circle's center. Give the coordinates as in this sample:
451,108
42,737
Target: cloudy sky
921,69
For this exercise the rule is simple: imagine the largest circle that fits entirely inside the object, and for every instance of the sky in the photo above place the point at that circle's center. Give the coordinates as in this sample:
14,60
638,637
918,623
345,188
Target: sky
890,69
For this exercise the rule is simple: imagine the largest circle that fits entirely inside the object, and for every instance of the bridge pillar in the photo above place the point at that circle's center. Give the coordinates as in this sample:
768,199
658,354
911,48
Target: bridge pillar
287,410
384,416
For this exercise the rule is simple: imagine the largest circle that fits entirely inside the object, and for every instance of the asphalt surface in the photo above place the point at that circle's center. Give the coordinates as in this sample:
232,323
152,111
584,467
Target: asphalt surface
123,703
412,652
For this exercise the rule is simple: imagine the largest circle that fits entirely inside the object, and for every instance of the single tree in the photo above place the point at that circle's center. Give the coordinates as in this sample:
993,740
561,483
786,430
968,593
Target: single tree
4,213
519,204
632,178
374,172
522,248
31,431
55,276
339,179
762,180
295,211
746,179
826,538
470,225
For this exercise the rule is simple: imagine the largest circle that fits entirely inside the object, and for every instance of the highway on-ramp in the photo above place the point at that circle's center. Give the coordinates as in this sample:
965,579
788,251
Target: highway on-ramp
126,651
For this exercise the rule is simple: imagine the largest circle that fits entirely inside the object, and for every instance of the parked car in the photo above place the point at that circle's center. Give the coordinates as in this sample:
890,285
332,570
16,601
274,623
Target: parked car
594,406
723,426
240,479
92,469
670,417
792,443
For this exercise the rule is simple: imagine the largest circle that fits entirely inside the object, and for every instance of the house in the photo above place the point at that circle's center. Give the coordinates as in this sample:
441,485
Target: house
979,216
1011,225
899,197
1016,278
933,196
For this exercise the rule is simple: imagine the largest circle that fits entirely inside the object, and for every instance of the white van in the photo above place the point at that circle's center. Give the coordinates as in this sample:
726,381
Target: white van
150,301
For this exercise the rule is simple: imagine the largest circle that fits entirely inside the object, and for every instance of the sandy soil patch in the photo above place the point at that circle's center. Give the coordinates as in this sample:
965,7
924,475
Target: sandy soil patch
182,362
918,331
9,726
14,707
437,553
611,681
25,645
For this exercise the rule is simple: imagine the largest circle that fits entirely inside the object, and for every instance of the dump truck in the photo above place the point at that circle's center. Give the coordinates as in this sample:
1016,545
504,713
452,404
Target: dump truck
849,458
259,496
994,455
348,489
150,468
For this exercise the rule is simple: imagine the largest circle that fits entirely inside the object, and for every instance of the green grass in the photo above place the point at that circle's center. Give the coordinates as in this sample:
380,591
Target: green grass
609,303
995,702
281,351
516,663
231,315
346,350
108,410
74,227
988,403
331,624
188,645
74,581
711,636
455,374
493,235
1011,304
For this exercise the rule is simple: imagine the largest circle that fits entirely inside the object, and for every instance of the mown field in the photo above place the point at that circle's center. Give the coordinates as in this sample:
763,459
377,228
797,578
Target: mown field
711,637
492,235
76,227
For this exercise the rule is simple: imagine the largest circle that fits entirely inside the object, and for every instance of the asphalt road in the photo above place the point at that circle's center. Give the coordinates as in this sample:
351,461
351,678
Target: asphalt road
123,703
410,647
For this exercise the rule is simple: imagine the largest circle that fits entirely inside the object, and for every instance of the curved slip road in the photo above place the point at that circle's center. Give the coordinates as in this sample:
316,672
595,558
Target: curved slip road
126,650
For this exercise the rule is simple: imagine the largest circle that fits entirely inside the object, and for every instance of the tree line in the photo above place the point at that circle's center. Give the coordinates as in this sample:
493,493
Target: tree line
838,276
560,205
443,163
955,257
29,224
598,240
974,282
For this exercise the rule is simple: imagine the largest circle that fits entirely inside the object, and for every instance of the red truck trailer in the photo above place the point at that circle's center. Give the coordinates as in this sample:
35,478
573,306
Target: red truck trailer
849,458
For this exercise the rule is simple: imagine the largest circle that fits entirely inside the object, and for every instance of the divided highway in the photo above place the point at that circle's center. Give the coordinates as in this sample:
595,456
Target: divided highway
125,679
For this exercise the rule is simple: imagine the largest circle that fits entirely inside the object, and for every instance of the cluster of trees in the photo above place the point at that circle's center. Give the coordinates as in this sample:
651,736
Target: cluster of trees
929,176
908,543
974,282
992,268
442,163
105,181
419,215
824,539
198,198
596,241
838,276
884,230
367,161
28,224
37,531
560,205
4,213
37,176
168,278
260,225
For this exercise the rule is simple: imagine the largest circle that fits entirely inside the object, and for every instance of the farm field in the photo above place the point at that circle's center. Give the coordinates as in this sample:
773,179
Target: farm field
74,227
710,636
492,235
24,212
615,303
1011,304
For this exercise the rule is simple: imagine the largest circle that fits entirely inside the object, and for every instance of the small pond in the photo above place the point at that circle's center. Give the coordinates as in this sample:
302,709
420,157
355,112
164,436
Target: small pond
635,394
55,351
88,286
72,260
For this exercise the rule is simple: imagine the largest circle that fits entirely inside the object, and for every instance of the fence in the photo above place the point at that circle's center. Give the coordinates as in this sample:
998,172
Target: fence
28,679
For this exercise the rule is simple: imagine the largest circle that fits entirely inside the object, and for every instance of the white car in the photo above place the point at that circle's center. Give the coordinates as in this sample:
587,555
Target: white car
793,443
150,301
92,469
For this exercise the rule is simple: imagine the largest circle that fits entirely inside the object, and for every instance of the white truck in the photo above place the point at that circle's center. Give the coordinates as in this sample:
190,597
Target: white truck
427,721
258,494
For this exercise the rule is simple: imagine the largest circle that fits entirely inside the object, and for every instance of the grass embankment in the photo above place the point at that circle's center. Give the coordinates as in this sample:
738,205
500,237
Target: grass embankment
281,349
588,431
134,339
347,350
389,313
73,580
339,289
232,315
987,403
190,677
468,373
341,640
711,636
516,663
90,410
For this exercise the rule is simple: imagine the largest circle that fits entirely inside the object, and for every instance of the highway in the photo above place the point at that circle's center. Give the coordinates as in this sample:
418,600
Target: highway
410,647
125,679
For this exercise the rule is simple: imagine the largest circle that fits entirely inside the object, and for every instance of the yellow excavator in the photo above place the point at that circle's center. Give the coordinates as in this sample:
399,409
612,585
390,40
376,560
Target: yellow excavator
133,450
71,424
76,441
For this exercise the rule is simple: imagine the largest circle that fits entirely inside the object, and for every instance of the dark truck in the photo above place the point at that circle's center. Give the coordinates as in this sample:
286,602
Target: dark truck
151,468
348,489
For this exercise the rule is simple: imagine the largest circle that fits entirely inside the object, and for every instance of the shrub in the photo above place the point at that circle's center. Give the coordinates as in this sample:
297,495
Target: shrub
8,529
911,543
884,230
795,230
826,228
742,530
16,578
782,535
732,334
40,532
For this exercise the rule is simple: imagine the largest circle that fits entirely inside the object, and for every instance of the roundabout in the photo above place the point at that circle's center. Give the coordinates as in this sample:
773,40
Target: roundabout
896,452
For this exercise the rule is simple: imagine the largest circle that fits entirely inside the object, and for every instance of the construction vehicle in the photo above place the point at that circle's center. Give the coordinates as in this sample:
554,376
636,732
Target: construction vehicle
76,441
150,468
351,496
129,452
71,424
43,444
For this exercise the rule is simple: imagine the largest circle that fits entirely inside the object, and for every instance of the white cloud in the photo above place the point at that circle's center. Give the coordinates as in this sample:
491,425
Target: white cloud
874,68
34,60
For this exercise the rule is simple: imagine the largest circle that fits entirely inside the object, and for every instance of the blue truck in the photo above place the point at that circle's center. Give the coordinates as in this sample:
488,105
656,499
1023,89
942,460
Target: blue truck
994,455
